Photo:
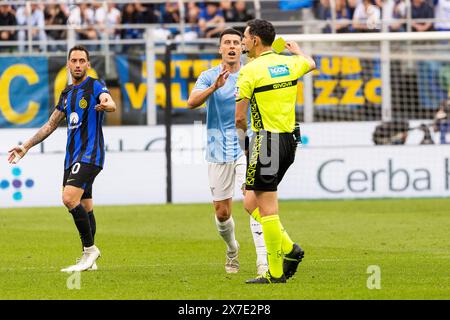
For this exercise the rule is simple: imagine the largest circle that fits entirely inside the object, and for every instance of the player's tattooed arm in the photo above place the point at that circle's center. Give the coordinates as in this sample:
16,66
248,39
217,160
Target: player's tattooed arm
18,152
46,130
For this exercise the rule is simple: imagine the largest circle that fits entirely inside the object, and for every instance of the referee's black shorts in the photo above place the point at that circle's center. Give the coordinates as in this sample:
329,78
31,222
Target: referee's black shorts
270,155
81,175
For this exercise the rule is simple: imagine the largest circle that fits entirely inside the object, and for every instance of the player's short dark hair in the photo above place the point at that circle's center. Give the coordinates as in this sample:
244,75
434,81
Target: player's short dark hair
262,29
78,48
230,31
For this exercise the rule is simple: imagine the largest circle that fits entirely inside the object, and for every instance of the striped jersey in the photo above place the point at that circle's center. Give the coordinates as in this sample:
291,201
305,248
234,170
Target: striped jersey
84,124
270,83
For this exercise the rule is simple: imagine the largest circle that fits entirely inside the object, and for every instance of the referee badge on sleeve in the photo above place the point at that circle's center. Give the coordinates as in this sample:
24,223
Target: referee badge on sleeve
236,92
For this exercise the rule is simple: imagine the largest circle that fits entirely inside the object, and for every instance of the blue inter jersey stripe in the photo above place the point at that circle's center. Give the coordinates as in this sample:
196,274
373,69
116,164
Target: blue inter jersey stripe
84,124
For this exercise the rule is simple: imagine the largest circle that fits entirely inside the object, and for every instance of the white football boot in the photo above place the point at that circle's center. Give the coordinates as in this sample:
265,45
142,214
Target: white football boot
232,262
87,261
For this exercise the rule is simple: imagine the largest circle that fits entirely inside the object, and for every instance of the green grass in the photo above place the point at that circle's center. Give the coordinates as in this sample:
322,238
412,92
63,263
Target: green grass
174,252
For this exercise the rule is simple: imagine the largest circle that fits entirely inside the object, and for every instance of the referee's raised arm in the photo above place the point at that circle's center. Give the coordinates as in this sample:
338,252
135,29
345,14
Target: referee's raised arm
294,48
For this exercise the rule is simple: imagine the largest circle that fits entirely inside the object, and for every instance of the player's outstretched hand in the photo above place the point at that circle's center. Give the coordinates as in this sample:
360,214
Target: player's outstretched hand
293,47
221,79
103,105
16,153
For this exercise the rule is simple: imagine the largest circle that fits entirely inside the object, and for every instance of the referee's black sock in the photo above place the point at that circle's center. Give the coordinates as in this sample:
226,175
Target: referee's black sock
92,223
81,219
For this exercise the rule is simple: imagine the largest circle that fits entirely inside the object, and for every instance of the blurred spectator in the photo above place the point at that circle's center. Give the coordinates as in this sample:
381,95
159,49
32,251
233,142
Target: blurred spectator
211,22
7,18
236,12
56,15
366,17
170,13
147,12
107,17
442,12
192,29
32,15
442,121
351,7
130,15
420,9
394,10
342,13
82,17
227,8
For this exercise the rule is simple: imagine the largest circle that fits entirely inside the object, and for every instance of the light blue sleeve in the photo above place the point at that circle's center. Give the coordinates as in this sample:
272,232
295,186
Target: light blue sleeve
203,82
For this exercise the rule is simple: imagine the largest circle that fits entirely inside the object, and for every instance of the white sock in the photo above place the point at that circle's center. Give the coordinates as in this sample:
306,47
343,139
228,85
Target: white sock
258,239
226,231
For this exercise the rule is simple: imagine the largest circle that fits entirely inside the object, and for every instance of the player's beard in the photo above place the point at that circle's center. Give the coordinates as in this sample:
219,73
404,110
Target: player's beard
78,77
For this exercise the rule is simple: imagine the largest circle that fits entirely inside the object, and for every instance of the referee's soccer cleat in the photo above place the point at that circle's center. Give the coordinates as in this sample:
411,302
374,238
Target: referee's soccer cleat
292,260
87,261
267,279
232,262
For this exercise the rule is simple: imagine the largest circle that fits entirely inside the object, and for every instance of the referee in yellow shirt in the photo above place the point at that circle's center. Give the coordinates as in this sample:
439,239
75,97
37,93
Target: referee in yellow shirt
269,84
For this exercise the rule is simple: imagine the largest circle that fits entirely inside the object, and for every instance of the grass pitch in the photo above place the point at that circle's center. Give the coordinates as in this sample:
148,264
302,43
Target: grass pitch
174,252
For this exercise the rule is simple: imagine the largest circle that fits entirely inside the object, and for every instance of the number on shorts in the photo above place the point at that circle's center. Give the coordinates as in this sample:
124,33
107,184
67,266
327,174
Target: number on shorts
76,168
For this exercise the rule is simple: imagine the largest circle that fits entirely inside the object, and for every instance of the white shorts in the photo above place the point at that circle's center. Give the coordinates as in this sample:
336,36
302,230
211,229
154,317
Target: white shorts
223,176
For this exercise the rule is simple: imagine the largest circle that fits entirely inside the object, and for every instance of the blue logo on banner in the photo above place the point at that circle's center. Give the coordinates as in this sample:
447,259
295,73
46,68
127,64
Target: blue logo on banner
279,71
16,183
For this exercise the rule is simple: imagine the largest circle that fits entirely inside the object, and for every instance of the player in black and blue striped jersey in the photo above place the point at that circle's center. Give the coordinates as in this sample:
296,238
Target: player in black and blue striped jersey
83,104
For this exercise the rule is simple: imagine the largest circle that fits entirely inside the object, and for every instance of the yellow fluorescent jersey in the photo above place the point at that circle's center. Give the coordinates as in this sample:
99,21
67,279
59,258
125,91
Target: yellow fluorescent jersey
270,83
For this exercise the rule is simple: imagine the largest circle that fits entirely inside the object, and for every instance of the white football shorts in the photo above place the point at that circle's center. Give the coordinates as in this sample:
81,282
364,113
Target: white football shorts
223,176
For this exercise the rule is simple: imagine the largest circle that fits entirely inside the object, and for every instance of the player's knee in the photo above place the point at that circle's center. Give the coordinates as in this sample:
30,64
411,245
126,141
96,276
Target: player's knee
222,213
69,201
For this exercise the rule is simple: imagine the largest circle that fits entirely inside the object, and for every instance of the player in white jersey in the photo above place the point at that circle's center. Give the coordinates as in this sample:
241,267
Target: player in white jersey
226,161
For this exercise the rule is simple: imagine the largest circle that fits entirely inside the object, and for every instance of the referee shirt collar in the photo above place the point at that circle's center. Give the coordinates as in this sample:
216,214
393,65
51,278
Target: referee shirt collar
266,53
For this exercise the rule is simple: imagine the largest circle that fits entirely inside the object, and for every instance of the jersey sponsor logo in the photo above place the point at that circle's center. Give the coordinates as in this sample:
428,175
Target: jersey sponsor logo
282,85
279,71
73,121
83,103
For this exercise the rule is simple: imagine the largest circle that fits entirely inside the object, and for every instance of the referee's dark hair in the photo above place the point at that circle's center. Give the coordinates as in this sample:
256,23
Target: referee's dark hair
78,48
230,31
262,29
